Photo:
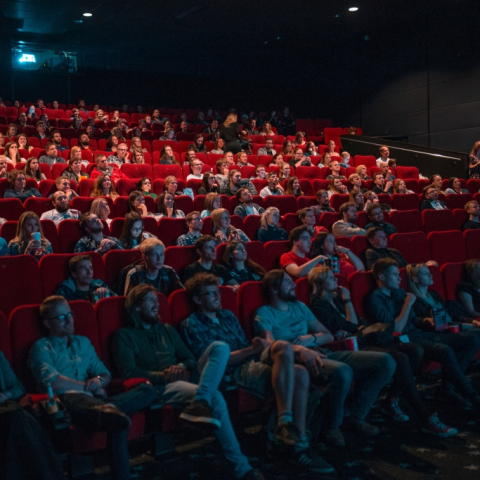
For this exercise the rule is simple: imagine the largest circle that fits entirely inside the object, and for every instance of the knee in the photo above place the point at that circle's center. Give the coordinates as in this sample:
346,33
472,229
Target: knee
388,364
219,349
343,375
302,377
281,349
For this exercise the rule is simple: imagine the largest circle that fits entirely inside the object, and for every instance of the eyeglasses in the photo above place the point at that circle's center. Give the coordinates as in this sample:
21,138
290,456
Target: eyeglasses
62,318
197,219
213,294
122,149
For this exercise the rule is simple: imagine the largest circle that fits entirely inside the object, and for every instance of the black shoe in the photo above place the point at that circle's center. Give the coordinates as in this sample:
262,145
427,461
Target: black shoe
110,418
287,433
310,461
200,412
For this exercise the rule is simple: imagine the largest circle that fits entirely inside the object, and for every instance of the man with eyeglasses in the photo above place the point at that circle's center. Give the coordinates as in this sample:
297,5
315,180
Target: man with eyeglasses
69,364
94,239
52,156
194,224
121,155
268,149
153,271
103,168
81,285
61,210
431,201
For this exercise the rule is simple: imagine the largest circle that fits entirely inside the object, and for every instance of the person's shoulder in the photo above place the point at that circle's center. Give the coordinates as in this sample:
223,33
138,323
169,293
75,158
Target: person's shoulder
263,310
464,287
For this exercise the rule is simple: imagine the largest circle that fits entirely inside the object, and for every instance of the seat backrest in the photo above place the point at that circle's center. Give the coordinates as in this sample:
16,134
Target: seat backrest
407,221
447,247
5,346
458,200
38,205
407,173
310,173
169,229
337,200
360,285
413,246
273,251
69,233
451,275
407,201
184,203
54,270
180,257
250,299
367,160
137,171
10,208
115,260
164,171
327,219
472,243
285,203
438,220
251,224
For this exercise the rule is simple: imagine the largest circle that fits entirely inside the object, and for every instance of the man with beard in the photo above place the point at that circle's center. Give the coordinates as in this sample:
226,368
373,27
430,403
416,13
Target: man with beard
52,155
84,141
56,138
235,182
146,348
61,210
94,239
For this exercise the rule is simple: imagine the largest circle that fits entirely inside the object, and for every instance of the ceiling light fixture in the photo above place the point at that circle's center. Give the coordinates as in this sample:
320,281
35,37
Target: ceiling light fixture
353,9
87,14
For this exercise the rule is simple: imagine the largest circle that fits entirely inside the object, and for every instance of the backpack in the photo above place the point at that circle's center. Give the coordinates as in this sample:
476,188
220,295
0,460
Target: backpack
119,285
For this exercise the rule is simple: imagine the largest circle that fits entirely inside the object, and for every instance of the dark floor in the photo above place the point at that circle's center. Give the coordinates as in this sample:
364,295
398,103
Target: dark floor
401,451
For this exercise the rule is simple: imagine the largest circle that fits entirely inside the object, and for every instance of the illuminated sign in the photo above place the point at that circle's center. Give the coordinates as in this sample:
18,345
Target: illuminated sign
27,58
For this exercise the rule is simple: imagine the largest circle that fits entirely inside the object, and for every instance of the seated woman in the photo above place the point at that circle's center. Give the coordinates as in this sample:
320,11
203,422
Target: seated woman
137,157
12,153
468,290
287,148
260,172
170,186
336,187
112,144
136,204
293,187
199,144
331,149
167,156
455,186
370,197
74,170
285,171
29,238
223,168
399,186
137,145
212,202
195,169
335,169
18,181
145,186
299,139
362,171
356,183
133,234
166,207
23,144
311,149
267,130
340,259
168,134
242,269
101,209
222,230
269,229
277,159
357,198
332,305
104,187
209,184
219,147
325,161
32,170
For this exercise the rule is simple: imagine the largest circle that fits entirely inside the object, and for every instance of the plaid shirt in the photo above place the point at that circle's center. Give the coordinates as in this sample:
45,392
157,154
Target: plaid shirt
200,332
88,244
186,240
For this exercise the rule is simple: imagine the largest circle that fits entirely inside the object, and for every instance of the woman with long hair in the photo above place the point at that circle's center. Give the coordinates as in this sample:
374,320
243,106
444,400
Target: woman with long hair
222,230
112,144
137,145
356,197
287,148
104,187
74,170
284,171
101,209
299,139
170,186
331,149
145,186
136,204
269,226
166,207
32,170
293,187
325,161
468,290
17,182
230,131
12,153
369,198
209,184
310,149
133,233
22,141
137,157
167,157
399,186
242,269
474,163
219,146
267,130
212,202
277,159
168,134
336,187
362,171
24,242
199,144
455,187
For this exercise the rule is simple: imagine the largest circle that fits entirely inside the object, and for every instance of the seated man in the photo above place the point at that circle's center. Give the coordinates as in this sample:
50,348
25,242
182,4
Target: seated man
235,182
273,186
323,203
256,366
296,262
69,364
149,349
375,215
268,149
346,226
153,271
378,239
242,160
307,217
245,205
84,141
61,210
120,157
387,173
437,181
212,128
194,223
285,318
391,304
56,138
384,153
381,185
94,239
81,285
473,211
63,184
252,128
41,131
206,249
102,167
431,202
52,155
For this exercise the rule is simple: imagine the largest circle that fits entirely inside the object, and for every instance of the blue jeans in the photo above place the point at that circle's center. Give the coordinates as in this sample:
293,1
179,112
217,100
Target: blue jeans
369,370
210,369
83,411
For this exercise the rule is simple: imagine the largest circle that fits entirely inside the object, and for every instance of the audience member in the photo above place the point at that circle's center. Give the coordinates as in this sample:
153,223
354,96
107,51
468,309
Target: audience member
268,149
431,202
376,218
242,160
370,198
235,182
332,149
386,172
356,183
52,156
455,187
219,146
246,206
103,168
378,240
336,187
209,184
4,167
437,181
299,159
166,207
222,230
473,211
136,204
269,226
273,186
63,184
284,171
171,186
145,186
399,186
104,187
358,199
242,268
196,166
194,224
307,217
22,142
31,170
101,209
381,186
346,227
61,210
362,171
293,187
133,233
323,206
94,240
168,156
468,290
17,183
336,170
12,153
29,238
230,131
384,154
212,202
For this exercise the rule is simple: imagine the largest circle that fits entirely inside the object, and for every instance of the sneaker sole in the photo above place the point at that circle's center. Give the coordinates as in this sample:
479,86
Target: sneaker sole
451,433
208,420
397,419
313,470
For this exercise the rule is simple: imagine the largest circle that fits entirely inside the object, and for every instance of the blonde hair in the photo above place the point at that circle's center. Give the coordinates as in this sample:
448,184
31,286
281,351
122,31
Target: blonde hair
316,279
97,189
216,215
264,220
73,151
95,206
149,244
396,185
412,272
358,170
20,234
232,118
468,273
209,199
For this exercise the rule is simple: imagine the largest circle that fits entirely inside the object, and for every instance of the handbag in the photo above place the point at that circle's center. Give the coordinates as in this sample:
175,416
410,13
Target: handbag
377,335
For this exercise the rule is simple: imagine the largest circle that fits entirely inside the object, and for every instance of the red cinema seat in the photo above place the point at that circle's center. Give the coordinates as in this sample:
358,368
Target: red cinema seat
459,217
169,229
413,246
362,218
472,243
83,204
251,224
198,203
319,184
273,251
164,171
85,187
51,234
407,201
407,221
11,208
137,170
359,244
126,185
69,233
255,252
194,184
306,201
459,200
259,184
451,275
473,185
5,346
19,289
180,257
310,173
285,203
367,160
8,230
447,247
38,205
406,173
438,220
54,270
184,203
327,219
250,299
437,281
115,260
360,285
337,200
